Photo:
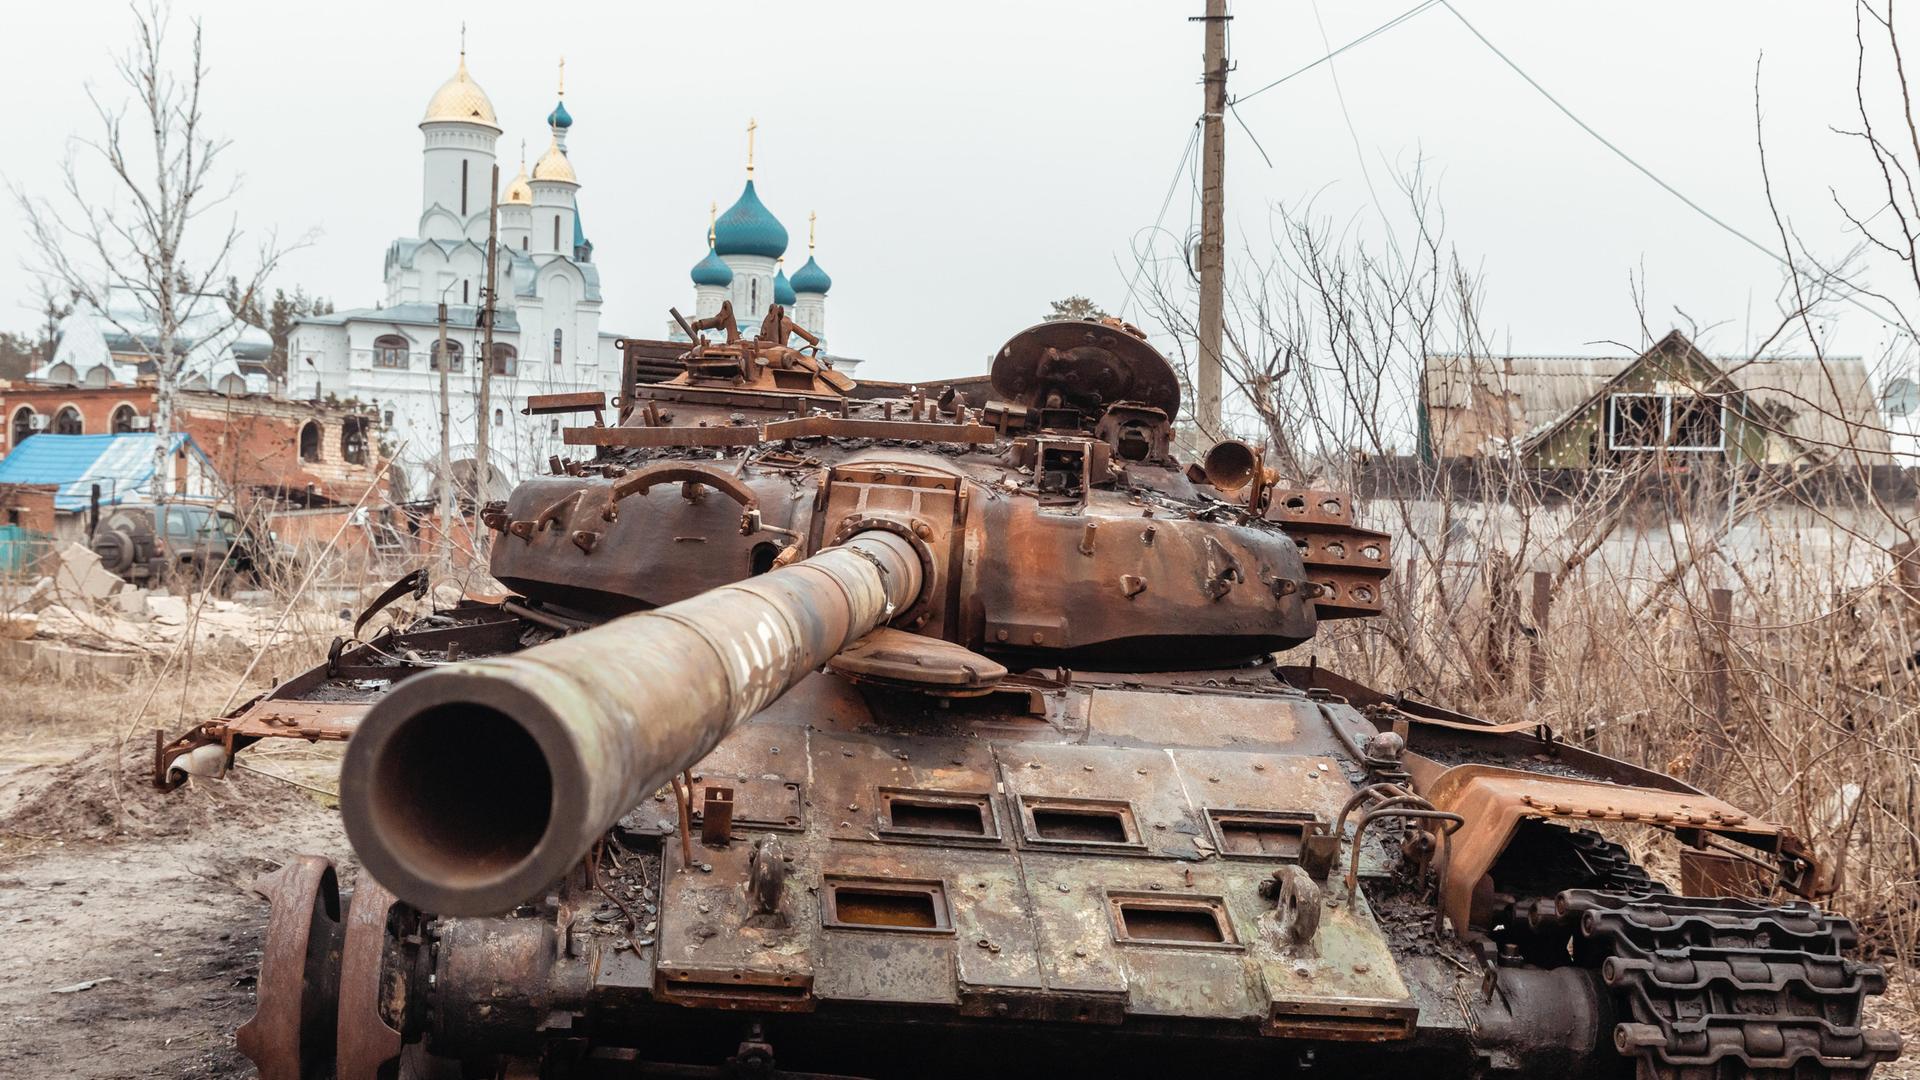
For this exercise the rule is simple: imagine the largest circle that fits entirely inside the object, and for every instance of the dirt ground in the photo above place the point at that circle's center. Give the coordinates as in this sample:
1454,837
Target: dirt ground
128,938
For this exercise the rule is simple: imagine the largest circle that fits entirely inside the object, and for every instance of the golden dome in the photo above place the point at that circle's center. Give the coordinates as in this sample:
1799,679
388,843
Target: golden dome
553,165
461,99
518,191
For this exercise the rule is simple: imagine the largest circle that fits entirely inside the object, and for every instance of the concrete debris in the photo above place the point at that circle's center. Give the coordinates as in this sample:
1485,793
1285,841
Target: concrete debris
19,597
142,623
132,602
80,575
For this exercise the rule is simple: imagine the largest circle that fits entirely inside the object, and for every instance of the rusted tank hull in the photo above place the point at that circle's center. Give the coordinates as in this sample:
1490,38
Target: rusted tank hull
932,917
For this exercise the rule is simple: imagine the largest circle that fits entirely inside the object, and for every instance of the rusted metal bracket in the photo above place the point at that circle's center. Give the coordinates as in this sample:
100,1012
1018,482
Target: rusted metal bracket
716,816
1346,562
592,401
641,480
802,427
415,583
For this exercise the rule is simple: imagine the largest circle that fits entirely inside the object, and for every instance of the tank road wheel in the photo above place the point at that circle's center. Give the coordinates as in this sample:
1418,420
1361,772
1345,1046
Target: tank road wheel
291,1034
367,1045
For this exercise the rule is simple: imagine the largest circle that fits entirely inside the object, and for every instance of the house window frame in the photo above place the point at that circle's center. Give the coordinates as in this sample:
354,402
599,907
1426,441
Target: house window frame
456,356
389,357
1666,433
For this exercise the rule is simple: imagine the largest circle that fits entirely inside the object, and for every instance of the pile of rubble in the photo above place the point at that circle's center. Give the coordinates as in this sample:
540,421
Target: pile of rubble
83,613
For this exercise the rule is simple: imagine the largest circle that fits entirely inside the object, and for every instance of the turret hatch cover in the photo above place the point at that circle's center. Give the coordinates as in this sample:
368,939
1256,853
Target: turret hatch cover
1091,363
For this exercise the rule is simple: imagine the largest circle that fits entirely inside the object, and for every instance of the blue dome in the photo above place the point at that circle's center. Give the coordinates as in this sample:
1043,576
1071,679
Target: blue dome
749,228
783,290
711,271
560,117
810,278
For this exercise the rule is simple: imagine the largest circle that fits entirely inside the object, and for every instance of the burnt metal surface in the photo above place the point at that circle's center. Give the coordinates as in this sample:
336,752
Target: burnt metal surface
932,734
290,1036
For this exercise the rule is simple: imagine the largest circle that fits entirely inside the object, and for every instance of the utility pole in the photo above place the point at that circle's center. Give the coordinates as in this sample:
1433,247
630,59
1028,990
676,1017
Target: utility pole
446,439
1213,166
485,464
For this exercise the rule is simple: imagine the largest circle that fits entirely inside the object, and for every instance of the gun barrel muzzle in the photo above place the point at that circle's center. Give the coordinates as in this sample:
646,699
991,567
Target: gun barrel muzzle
471,787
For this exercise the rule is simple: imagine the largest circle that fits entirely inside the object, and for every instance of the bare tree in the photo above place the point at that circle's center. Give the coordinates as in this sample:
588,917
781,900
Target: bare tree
128,236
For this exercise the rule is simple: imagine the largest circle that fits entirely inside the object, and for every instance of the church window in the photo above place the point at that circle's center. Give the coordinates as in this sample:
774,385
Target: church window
466,290
390,351
122,421
353,440
556,232
310,441
556,345
505,358
499,420
463,188
456,360
22,424
523,243
67,422
753,296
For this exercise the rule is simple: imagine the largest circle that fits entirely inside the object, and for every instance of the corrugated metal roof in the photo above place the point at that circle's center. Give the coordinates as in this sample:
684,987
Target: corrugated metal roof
121,464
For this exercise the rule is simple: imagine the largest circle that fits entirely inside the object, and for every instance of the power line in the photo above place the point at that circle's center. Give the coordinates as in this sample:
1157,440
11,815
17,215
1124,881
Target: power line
1362,39
1179,169
1649,173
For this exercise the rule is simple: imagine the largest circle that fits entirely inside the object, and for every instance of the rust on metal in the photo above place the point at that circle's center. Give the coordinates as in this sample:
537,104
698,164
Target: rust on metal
368,1046
884,731
292,1030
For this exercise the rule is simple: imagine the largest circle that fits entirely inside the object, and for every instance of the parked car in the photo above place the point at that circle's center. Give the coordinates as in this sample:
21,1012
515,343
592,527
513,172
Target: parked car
199,540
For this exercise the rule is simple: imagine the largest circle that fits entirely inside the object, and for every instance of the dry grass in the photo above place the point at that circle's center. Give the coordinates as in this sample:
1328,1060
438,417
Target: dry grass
1821,710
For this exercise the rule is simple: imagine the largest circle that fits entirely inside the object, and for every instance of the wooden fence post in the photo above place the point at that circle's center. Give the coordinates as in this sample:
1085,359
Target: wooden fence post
1717,661
1537,653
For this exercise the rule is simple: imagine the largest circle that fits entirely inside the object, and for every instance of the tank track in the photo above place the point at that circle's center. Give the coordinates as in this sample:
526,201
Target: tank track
1713,987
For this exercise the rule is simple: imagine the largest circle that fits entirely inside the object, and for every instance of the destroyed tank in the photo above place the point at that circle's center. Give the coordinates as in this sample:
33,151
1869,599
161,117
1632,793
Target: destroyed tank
834,735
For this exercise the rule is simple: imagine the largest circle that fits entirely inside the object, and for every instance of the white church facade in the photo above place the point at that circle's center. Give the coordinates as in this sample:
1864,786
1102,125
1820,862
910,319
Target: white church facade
546,334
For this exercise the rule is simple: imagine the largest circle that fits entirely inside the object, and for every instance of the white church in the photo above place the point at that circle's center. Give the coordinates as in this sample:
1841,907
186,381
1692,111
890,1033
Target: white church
547,336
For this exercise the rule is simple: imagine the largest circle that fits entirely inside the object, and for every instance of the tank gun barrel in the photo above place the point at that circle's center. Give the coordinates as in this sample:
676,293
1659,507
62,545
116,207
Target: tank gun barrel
471,787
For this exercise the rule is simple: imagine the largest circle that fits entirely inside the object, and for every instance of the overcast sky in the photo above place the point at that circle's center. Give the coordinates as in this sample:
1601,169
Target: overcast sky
970,162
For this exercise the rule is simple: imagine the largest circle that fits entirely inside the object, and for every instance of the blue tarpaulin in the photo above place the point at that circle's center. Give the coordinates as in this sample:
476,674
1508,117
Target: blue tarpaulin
121,464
